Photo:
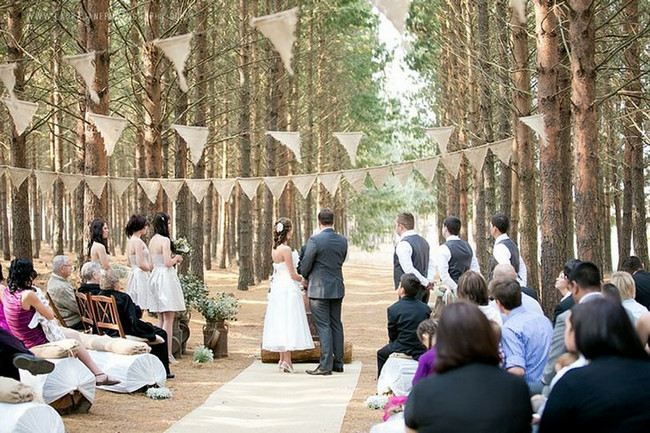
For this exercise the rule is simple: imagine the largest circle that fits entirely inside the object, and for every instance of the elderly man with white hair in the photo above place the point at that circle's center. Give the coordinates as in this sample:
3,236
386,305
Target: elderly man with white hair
62,292
90,274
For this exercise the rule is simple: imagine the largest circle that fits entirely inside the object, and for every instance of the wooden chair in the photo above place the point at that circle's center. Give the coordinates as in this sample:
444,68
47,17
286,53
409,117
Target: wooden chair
106,316
85,312
57,315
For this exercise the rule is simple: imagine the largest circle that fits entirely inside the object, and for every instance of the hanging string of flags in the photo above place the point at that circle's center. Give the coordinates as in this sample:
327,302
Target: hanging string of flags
280,30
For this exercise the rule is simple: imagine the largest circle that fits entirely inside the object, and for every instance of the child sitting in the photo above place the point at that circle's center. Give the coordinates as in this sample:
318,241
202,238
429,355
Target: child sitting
427,334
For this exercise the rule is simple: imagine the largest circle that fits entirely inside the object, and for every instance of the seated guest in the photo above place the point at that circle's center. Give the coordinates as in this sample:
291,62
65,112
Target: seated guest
610,394
473,288
627,288
427,335
469,393
610,291
634,266
525,336
14,355
62,293
404,316
505,271
90,274
562,285
130,315
21,302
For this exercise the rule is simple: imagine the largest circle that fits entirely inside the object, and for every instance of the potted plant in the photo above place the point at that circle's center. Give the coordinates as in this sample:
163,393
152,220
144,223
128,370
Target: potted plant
216,310
194,290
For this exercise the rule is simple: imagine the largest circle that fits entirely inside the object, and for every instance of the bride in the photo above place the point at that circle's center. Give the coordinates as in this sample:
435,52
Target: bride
285,324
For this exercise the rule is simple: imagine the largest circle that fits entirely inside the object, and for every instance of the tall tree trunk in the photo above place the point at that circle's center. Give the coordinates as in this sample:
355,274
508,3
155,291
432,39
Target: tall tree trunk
307,216
80,140
35,207
505,178
140,201
57,142
4,219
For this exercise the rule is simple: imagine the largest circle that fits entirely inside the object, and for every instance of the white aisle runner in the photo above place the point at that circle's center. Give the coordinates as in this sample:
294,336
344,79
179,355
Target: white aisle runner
263,399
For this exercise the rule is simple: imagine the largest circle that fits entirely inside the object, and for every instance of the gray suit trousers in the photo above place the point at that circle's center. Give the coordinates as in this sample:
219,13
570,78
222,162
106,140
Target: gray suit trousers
327,318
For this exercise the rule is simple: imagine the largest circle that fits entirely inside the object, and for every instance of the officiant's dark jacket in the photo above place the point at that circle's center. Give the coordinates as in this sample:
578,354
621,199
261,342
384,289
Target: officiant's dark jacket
404,316
322,265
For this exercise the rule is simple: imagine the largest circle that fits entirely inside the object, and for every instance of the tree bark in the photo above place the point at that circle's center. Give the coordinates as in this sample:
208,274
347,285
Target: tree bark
57,142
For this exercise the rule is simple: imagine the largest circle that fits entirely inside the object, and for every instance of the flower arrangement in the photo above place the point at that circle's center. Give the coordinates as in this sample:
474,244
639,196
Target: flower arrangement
194,290
159,393
376,401
203,355
121,270
181,246
220,307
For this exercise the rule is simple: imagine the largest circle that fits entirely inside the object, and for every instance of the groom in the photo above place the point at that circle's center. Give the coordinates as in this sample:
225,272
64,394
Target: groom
321,266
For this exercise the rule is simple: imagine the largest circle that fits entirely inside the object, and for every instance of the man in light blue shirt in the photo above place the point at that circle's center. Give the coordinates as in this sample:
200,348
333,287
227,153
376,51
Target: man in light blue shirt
525,336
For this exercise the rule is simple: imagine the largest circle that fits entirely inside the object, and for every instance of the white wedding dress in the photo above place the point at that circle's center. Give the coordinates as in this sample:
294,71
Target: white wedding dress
137,285
165,287
285,324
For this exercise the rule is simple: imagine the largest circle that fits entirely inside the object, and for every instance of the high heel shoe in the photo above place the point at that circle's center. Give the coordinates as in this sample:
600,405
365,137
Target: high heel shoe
287,368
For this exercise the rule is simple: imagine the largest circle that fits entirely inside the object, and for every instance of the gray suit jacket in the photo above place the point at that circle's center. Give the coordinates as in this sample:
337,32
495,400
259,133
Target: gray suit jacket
557,347
322,265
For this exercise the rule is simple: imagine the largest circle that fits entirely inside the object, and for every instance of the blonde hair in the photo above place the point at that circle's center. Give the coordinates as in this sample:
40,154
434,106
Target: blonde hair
625,284
110,280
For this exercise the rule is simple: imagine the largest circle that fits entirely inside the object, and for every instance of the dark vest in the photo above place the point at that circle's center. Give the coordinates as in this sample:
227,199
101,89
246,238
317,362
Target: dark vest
514,256
419,257
461,258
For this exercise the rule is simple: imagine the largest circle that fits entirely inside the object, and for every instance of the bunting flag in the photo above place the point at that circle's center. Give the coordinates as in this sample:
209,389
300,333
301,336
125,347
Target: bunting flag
276,185
119,185
476,156
150,188
402,172
503,149
440,136
350,141
379,175
452,161
199,188
84,64
536,123
224,187
8,77
71,181
22,112
45,180
356,178
177,49
395,11
96,184
18,175
280,29
519,10
195,137
172,187
427,168
303,183
330,181
249,186
110,128
289,139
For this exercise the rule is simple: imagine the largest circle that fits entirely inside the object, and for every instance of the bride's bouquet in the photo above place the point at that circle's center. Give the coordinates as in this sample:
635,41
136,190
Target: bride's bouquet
181,246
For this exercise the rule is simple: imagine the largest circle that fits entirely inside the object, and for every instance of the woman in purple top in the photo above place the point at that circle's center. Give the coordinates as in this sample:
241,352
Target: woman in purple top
427,334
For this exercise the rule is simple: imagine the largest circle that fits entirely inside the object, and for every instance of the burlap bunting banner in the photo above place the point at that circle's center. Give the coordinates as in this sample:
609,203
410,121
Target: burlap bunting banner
177,49
379,175
45,180
536,123
249,186
503,149
395,11
84,64
303,183
402,172
96,184
119,185
71,181
8,77
427,168
110,128
18,175
280,29
224,187
330,181
289,139
150,188
276,185
172,187
452,161
350,141
199,188
476,156
195,137
440,136
22,112
519,10
356,178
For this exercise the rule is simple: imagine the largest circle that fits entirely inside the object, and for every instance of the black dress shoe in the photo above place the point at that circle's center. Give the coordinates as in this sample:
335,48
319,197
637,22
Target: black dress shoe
319,371
34,365
170,375
337,369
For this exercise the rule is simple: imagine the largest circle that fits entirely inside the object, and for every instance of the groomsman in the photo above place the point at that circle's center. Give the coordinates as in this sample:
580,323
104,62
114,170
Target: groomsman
412,255
455,256
505,250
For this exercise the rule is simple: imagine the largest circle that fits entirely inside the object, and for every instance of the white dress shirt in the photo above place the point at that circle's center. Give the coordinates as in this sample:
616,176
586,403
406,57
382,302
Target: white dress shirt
404,252
442,262
501,254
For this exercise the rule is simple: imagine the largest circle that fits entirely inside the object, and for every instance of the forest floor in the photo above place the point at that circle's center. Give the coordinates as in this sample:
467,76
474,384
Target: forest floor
368,279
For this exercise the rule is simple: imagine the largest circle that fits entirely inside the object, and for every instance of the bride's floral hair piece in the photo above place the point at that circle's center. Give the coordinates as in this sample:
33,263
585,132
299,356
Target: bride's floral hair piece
279,227
280,230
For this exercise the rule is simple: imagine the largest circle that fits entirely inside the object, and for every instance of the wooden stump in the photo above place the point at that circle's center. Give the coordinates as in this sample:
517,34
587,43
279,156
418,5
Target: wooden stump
311,355
74,402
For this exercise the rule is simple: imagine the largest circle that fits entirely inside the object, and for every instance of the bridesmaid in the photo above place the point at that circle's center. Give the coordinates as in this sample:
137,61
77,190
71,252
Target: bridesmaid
98,244
137,285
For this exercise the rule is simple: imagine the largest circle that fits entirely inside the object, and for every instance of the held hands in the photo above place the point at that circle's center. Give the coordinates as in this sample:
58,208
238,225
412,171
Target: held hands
179,259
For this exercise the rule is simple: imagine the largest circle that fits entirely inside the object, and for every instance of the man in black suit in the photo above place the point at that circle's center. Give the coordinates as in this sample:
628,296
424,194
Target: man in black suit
321,266
404,316
641,277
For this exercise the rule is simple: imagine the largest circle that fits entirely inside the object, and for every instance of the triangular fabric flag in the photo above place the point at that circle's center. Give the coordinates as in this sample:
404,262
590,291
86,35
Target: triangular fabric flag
198,188
440,136
18,175
395,11
110,128
519,10
536,123
195,137
177,49
71,181
303,183
452,162
150,188
279,28
45,180
84,64
476,156
402,172
289,139
120,185
276,185
22,112
379,175
224,187
172,187
503,149
8,77
350,141
427,168
96,184
249,186
330,181
356,178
